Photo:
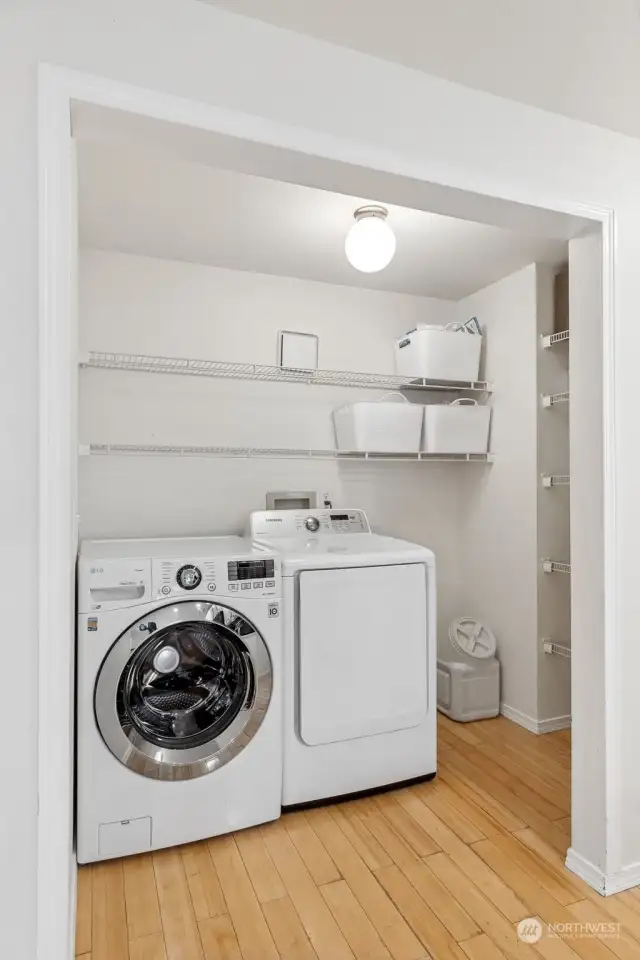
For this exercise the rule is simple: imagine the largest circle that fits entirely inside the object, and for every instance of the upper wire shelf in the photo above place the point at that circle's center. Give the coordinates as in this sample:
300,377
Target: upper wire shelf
253,371
271,453
554,338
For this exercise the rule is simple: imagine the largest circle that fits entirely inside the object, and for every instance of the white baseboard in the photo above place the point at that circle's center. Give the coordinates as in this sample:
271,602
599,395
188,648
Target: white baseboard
520,718
624,879
535,726
605,884
554,723
586,870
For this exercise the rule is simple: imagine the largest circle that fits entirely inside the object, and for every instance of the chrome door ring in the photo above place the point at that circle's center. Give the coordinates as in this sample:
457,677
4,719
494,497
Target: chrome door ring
163,763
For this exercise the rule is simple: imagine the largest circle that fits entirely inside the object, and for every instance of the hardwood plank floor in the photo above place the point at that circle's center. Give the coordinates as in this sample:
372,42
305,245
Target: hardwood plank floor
442,870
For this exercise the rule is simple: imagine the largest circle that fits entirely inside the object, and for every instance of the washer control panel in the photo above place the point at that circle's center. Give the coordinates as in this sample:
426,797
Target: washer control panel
219,577
299,523
179,578
115,584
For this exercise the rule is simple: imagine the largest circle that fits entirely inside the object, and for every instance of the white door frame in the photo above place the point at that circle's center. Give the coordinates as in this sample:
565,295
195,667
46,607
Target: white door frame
58,88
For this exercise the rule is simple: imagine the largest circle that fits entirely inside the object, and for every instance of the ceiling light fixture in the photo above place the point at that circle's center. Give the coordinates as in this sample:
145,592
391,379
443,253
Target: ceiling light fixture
371,243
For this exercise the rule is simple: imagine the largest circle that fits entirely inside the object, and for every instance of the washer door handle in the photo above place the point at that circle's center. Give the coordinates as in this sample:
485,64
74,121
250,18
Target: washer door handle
150,627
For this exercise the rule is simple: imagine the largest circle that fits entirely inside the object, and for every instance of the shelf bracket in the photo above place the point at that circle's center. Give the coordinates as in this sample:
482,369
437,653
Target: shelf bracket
550,399
555,649
553,338
554,566
555,480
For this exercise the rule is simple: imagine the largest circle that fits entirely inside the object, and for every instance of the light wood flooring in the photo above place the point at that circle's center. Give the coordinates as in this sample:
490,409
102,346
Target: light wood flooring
444,870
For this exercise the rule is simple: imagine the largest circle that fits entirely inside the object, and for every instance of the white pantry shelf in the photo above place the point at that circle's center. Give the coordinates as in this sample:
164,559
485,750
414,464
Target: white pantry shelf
555,480
275,453
550,399
252,371
554,566
554,338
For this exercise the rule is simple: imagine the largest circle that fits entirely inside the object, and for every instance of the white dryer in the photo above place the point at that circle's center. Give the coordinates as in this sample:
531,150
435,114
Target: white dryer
179,694
359,654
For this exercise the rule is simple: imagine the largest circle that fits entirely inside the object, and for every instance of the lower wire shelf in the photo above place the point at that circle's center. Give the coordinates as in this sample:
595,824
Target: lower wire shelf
274,453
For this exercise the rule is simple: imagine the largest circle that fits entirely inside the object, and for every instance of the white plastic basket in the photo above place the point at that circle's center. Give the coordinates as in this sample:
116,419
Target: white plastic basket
439,353
389,425
458,427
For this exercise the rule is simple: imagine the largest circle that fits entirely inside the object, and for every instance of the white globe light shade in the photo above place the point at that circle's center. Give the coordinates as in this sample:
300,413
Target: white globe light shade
370,244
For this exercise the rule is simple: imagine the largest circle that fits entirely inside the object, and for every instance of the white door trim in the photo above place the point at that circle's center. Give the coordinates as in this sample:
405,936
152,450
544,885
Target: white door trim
58,87
57,522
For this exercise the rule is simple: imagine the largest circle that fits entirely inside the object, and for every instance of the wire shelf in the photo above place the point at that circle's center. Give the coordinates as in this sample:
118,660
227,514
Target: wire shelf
554,338
555,480
550,399
553,566
252,371
275,453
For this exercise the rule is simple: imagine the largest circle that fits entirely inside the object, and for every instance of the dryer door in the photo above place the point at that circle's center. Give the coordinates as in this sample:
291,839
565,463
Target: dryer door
183,690
362,651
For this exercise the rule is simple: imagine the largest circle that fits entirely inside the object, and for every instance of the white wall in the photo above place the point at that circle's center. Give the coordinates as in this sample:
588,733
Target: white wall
219,59
132,304
499,528
510,522
480,521
591,65
554,524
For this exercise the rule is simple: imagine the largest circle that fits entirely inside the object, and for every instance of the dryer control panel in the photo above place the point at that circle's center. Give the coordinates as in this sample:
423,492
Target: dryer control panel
299,523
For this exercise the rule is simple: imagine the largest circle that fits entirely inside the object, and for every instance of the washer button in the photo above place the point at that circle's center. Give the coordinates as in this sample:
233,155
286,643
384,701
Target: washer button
269,583
233,586
211,587
258,585
246,586
166,590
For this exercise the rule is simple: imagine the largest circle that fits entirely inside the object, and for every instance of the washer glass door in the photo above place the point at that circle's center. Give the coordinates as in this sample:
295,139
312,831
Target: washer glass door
183,690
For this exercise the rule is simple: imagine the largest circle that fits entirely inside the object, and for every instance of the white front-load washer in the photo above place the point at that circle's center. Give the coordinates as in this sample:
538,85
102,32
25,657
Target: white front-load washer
179,692
359,654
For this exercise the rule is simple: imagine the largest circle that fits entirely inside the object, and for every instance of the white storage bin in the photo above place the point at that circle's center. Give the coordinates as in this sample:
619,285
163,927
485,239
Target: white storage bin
389,425
468,672
469,691
458,427
439,353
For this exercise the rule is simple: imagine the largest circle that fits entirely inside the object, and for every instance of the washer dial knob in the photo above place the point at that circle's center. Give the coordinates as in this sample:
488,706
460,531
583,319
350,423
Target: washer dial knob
188,577
312,524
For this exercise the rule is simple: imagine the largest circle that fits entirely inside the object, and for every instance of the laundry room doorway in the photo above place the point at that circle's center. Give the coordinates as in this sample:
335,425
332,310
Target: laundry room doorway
114,446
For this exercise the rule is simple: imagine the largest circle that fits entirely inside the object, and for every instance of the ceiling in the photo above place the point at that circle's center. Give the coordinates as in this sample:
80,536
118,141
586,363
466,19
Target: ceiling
580,58
139,201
